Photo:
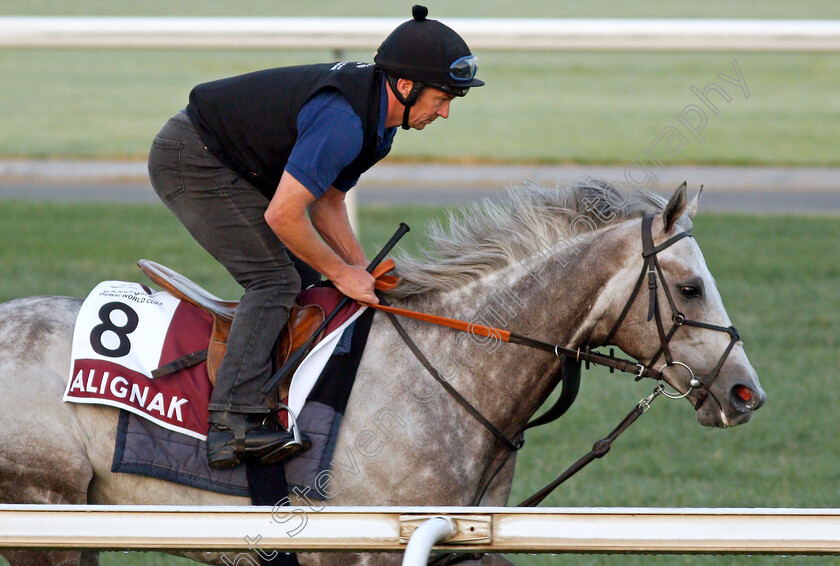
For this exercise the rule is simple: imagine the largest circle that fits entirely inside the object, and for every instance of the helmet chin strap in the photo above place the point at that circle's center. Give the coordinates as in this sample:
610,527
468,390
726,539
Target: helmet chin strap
407,101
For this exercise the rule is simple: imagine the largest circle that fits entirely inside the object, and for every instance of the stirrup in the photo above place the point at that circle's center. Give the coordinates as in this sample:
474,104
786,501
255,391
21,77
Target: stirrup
299,443
288,450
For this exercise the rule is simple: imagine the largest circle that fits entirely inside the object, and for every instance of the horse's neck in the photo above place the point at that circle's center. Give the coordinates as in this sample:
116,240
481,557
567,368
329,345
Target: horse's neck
549,297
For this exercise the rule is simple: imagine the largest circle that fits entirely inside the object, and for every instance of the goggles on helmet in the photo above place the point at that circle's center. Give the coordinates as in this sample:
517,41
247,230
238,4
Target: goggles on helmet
464,69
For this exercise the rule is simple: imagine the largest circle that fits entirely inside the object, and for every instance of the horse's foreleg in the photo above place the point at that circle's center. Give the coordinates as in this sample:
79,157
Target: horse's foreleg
496,495
498,492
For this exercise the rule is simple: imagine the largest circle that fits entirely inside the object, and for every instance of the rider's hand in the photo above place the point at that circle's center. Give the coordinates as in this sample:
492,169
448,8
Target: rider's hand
356,283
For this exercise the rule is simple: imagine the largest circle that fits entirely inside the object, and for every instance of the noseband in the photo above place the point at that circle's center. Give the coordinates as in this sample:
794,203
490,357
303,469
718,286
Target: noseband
571,359
653,271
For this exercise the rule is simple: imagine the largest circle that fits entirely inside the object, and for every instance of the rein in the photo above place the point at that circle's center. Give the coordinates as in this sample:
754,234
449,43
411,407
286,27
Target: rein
572,358
570,369
579,355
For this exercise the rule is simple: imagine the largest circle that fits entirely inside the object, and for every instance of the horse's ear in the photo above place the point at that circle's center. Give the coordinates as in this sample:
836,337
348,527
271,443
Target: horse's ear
693,204
675,208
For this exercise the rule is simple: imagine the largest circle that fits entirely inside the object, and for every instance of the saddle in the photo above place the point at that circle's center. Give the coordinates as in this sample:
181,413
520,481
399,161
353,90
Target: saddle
303,321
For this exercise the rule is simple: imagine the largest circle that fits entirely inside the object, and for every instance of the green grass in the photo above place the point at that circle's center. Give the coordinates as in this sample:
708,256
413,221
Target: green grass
579,107
583,107
778,277
66,249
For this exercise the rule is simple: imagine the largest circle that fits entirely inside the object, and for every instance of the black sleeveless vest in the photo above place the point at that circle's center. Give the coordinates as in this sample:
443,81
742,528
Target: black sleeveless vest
249,122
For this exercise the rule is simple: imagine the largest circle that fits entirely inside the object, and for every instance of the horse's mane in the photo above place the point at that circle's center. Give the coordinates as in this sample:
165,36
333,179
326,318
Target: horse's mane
490,236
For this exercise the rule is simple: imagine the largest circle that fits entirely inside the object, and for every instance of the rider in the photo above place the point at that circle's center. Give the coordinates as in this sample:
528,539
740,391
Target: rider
256,168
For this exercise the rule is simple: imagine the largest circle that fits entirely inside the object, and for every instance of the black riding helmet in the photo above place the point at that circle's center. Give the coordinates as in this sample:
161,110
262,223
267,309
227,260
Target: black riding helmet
430,54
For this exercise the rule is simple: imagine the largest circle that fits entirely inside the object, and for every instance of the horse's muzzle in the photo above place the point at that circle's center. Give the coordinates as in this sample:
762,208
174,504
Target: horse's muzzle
724,409
746,399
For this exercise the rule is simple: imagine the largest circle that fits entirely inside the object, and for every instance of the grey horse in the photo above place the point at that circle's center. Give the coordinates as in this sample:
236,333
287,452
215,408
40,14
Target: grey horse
557,265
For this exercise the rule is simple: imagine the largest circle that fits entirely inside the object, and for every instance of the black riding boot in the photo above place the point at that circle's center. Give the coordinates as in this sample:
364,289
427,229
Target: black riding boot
234,437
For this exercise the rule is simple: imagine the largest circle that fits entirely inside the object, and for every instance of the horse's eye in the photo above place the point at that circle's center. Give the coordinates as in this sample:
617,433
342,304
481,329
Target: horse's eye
690,291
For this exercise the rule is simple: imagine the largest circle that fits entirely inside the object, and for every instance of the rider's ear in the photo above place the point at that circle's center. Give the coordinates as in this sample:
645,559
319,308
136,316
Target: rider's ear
691,209
405,86
675,208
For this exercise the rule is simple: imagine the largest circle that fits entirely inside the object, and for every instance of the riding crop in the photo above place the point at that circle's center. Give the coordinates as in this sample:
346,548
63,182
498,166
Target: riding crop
298,355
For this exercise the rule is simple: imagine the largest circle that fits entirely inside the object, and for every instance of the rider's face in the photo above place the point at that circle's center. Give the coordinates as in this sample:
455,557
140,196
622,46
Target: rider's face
430,104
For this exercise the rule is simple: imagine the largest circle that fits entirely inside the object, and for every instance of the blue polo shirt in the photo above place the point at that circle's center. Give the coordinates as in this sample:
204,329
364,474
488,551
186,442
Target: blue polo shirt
329,138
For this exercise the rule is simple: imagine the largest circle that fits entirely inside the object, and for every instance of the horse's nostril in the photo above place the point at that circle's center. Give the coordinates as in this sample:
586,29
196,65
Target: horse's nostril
743,393
745,399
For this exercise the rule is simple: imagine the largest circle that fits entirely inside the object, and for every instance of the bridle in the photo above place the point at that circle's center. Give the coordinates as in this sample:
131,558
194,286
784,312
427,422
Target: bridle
572,358
570,367
653,271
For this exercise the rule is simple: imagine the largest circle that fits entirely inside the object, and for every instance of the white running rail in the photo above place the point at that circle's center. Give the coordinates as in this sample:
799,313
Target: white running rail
485,529
425,537
368,33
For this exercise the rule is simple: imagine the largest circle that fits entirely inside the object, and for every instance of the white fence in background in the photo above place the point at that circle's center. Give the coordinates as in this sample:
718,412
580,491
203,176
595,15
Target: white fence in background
558,530
339,34
485,529
368,33
555,530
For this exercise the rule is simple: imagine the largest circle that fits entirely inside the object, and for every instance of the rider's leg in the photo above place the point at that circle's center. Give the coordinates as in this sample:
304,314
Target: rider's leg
225,215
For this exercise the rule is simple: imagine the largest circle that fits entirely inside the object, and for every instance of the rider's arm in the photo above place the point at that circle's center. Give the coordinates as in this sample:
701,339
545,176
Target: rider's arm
286,215
329,216
329,138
